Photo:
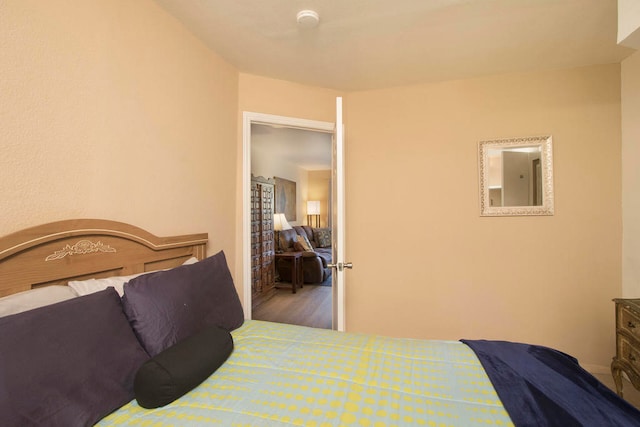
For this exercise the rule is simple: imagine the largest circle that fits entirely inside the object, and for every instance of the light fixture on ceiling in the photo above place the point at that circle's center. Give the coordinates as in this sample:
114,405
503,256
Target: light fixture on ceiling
308,18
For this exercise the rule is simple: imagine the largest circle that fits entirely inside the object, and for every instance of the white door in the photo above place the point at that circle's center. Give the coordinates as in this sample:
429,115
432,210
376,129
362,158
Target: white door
338,224
515,179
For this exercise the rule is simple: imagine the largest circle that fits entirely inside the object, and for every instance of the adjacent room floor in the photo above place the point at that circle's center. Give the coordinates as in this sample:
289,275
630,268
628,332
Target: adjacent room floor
309,306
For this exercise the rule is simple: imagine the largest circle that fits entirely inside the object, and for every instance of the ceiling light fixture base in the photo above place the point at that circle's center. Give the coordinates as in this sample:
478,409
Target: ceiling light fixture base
308,18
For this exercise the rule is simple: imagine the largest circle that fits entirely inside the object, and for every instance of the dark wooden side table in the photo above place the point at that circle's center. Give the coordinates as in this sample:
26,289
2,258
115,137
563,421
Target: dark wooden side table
295,258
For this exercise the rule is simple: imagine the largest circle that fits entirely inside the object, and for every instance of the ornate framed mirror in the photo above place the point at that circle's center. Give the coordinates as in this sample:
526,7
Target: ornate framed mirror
516,176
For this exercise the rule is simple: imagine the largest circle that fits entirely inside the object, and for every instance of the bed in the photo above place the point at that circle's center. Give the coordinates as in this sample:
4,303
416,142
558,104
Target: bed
104,323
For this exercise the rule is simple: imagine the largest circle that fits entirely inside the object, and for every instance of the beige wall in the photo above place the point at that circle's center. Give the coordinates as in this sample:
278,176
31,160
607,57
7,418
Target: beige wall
111,109
631,176
320,189
278,97
427,265
629,23
412,188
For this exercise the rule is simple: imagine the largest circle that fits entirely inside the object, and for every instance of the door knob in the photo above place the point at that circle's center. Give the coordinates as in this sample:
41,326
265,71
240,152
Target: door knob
341,266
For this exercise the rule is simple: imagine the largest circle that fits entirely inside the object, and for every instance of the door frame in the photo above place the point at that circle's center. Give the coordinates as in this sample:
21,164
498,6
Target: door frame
249,118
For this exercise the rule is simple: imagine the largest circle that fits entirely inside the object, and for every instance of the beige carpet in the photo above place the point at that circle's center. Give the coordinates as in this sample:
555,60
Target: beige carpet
631,395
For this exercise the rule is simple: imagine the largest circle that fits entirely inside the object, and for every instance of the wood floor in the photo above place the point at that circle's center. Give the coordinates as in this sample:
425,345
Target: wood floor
309,306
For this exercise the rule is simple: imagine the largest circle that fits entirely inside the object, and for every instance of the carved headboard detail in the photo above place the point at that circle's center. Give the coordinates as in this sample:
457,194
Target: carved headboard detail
54,253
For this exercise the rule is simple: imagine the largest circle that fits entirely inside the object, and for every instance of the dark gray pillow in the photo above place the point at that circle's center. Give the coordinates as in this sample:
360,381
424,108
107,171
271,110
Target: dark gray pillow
168,306
181,367
67,364
322,236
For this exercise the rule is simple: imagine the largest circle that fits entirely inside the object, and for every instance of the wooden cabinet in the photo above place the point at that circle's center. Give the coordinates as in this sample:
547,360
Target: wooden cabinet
262,240
627,357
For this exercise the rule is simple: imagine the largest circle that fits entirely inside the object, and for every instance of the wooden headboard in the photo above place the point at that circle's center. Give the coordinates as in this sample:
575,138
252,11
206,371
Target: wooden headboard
54,253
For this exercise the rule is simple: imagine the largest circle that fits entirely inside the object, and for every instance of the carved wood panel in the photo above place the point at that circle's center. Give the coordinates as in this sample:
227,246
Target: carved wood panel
262,240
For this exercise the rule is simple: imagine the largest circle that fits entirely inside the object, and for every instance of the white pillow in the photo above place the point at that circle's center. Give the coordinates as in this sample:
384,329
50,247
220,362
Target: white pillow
190,261
35,298
89,286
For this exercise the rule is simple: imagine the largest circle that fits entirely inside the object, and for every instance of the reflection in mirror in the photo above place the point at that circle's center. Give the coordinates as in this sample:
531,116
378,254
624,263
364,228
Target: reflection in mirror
516,176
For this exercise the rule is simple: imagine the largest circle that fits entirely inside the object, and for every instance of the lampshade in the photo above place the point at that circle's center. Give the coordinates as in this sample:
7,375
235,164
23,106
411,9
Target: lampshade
313,207
280,222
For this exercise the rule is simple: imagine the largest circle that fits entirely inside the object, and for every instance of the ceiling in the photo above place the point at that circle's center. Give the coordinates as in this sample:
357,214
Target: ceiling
373,44
306,149
370,44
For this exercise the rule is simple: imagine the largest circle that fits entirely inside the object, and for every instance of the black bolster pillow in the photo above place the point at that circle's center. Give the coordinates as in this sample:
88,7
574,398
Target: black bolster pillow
181,367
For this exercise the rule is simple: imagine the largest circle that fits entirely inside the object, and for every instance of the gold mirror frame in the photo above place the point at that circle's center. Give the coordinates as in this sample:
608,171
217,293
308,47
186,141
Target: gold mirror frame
546,163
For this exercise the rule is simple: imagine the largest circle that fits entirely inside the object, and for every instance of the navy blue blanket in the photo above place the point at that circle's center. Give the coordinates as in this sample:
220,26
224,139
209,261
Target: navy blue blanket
539,386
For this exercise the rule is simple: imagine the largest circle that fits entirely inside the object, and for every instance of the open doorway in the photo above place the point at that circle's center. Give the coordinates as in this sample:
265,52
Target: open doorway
295,152
298,163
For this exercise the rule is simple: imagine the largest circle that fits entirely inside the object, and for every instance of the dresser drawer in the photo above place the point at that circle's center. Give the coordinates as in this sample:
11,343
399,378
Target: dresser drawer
629,321
630,353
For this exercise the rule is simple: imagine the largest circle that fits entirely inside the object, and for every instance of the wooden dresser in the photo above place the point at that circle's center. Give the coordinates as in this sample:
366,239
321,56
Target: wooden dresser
627,357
